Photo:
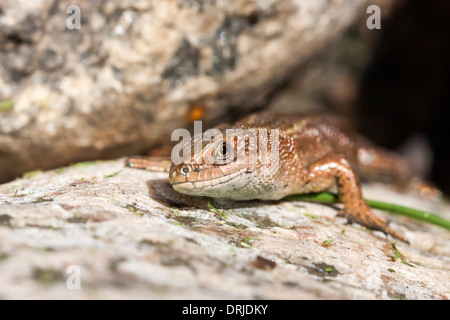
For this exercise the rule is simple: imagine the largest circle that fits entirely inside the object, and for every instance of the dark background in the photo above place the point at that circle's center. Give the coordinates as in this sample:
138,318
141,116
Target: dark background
405,88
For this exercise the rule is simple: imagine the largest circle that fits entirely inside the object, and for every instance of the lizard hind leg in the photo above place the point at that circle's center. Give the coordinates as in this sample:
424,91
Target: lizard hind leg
377,164
356,208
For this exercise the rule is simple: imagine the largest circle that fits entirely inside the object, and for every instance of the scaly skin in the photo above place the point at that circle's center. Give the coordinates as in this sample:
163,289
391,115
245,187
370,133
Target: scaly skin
315,153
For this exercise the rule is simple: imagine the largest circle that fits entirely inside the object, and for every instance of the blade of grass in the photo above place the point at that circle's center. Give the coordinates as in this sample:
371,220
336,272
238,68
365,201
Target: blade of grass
220,213
6,105
112,174
326,197
397,255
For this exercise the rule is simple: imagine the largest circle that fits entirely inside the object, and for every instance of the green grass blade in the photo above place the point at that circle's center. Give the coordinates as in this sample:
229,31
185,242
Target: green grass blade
325,197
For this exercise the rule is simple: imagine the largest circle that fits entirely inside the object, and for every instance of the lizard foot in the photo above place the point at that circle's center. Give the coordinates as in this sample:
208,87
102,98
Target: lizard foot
370,220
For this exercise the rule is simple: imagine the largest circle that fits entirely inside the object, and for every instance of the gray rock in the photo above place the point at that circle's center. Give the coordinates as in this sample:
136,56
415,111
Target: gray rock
135,70
132,236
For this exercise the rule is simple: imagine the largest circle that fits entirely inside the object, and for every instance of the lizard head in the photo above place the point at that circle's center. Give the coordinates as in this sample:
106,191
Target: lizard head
227,166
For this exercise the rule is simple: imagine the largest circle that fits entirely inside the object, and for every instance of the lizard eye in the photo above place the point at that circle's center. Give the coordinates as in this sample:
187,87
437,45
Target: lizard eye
185,171
224,151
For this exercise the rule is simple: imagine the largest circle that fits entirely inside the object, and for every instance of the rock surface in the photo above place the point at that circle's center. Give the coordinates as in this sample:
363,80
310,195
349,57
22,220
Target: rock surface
136,70
132,236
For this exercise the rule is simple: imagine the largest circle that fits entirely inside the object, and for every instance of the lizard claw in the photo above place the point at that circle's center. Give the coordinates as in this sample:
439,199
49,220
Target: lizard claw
388,230
370,220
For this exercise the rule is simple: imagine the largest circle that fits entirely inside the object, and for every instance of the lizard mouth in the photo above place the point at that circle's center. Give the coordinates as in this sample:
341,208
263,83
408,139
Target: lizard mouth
186,179
202,184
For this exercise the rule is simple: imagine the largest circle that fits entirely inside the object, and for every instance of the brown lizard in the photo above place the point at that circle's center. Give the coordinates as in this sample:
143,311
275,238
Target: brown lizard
313,153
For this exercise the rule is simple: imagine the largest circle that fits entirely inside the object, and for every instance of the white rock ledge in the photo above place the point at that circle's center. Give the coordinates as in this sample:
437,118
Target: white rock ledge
132,236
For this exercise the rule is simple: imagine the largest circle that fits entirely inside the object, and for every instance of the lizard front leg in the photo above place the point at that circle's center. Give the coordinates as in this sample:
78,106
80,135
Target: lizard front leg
356,208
